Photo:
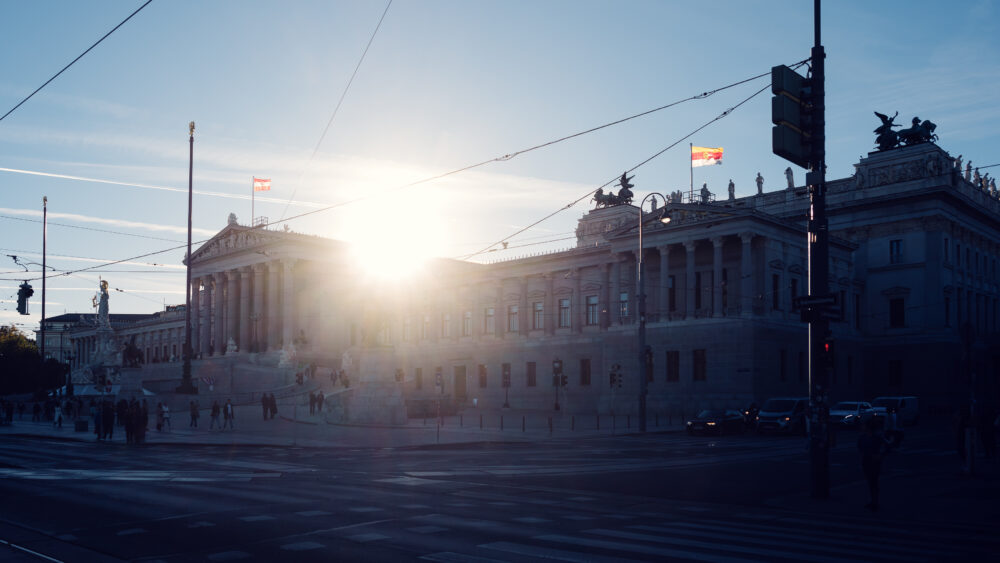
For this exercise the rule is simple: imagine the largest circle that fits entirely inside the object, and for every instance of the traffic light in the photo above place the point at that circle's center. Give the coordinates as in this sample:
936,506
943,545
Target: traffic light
791,113
564,380
557,367
613,377
506,375
23,293
829,352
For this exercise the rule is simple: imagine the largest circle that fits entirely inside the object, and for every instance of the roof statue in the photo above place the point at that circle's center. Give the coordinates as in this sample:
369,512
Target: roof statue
918,132
610,199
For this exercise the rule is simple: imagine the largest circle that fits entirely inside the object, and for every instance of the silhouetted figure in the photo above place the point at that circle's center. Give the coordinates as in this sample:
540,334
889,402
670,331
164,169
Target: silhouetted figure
760,184
214,414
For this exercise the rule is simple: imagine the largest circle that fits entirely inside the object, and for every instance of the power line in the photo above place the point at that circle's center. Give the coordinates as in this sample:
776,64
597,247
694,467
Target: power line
335,110
88,228
609,182
74,60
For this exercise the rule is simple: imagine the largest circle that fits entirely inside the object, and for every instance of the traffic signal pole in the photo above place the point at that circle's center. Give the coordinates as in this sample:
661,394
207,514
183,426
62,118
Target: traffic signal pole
819,274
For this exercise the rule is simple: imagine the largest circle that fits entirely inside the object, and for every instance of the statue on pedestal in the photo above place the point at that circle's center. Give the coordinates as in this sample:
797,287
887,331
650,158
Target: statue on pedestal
760,184
789,177
732,190
231,347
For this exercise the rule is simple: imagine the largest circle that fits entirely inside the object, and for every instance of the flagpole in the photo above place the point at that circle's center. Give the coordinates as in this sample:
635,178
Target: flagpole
691,165
253,194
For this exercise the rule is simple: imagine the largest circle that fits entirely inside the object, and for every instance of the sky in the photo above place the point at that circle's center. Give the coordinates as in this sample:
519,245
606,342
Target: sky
444,84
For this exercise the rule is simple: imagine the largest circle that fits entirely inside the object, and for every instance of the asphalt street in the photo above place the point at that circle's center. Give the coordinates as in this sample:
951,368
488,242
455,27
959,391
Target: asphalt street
653,497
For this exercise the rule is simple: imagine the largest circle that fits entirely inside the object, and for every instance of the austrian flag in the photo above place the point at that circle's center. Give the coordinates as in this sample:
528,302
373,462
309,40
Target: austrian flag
261,184
705,156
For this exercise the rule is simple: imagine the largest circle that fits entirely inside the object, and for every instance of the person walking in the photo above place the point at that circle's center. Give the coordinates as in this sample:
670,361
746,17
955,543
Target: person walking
274,405
265,404
319,401
57,418
214,413
108,419
228,415
194,414
159,417
872,447
312,403
166,417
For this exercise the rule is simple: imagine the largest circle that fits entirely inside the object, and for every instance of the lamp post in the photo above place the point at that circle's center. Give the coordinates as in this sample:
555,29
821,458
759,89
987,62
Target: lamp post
186,386
643,383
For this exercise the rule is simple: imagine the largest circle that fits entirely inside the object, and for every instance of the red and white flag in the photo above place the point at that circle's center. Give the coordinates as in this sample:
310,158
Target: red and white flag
705,156
261,184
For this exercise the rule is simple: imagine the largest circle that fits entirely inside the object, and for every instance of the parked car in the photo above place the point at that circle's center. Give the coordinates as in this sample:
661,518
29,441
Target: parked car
907,408
850,414
783,414
716,421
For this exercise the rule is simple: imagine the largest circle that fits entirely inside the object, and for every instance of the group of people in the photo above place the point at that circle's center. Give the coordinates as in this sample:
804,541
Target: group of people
228,413
269,405
315,402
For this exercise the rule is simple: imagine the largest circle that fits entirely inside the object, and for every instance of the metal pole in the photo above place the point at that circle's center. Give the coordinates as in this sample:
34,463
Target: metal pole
186,384
819,264
45,237
643,384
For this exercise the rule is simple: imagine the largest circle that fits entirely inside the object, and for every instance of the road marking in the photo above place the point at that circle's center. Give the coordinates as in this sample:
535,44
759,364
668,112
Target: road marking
365,538
260,518
531,520
313,513
302,546
365,509
427,529
406,480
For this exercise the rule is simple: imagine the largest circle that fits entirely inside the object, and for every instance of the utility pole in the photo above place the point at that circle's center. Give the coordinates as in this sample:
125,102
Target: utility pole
186,386
798,112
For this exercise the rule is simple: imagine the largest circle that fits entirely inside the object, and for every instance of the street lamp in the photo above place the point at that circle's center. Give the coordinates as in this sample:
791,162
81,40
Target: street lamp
186,386
643,383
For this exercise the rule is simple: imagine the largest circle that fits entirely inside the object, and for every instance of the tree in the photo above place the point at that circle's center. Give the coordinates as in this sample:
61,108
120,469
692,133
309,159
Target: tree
19,361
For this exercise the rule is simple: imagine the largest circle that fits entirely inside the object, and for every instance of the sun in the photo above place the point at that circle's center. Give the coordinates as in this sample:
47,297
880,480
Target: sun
395,250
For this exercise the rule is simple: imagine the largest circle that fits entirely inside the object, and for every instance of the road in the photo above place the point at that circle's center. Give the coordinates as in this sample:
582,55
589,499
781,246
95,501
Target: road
654,497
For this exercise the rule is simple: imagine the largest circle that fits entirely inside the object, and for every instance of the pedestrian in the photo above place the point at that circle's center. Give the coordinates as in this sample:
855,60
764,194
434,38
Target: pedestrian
319,401
159,417
228,414
312,402
166,417
58,416
265,404
108,419
125,419
36,413
872,446
214,413
274,406
143,425
194,414
95,416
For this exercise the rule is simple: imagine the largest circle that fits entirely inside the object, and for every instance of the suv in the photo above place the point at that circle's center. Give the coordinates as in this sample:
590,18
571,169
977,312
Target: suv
850,414
907,408
783,414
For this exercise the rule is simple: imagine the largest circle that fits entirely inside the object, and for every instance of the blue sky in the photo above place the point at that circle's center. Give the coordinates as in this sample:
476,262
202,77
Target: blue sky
445,84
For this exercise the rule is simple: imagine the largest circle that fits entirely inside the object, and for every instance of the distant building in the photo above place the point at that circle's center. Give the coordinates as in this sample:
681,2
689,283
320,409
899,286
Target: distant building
914,247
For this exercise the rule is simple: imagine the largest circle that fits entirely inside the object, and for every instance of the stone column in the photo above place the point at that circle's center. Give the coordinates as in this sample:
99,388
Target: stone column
616,290
195,317
746,276
551,305
717,277
664,293
219,326
206,316
246,275
232,308
605,300
288,302
689,284
272,321
258,338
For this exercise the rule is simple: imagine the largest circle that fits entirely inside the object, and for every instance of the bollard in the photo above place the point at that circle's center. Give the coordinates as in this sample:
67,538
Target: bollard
572,423
480,421
523,425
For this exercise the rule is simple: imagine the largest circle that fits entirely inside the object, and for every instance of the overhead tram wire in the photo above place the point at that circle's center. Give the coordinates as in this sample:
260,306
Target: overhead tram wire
610,182
88,228
510,156
498,159
76,59
335,110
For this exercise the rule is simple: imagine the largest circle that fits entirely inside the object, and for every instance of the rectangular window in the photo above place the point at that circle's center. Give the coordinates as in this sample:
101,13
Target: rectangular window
446,325
897,313
512,323
538,315
585,371
672,293
467,323
895,251
530,370
418,377
592,317
482,375
783,365
697,290
489,322
425,328
673,365
776,292
623,305
698,365
564,319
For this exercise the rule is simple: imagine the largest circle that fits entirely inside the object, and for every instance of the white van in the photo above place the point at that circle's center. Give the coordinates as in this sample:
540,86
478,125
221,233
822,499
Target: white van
907,408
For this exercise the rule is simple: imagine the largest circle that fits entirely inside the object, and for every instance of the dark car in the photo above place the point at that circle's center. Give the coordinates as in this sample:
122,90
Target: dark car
717,421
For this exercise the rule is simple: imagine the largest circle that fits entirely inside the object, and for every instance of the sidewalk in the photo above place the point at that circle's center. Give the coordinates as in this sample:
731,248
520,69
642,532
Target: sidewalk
296,427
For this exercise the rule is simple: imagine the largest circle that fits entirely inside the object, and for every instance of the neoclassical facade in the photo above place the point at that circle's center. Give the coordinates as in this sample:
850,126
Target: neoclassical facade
914,244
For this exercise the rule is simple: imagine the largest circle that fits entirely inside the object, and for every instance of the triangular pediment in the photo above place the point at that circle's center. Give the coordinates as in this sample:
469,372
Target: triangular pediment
236,238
